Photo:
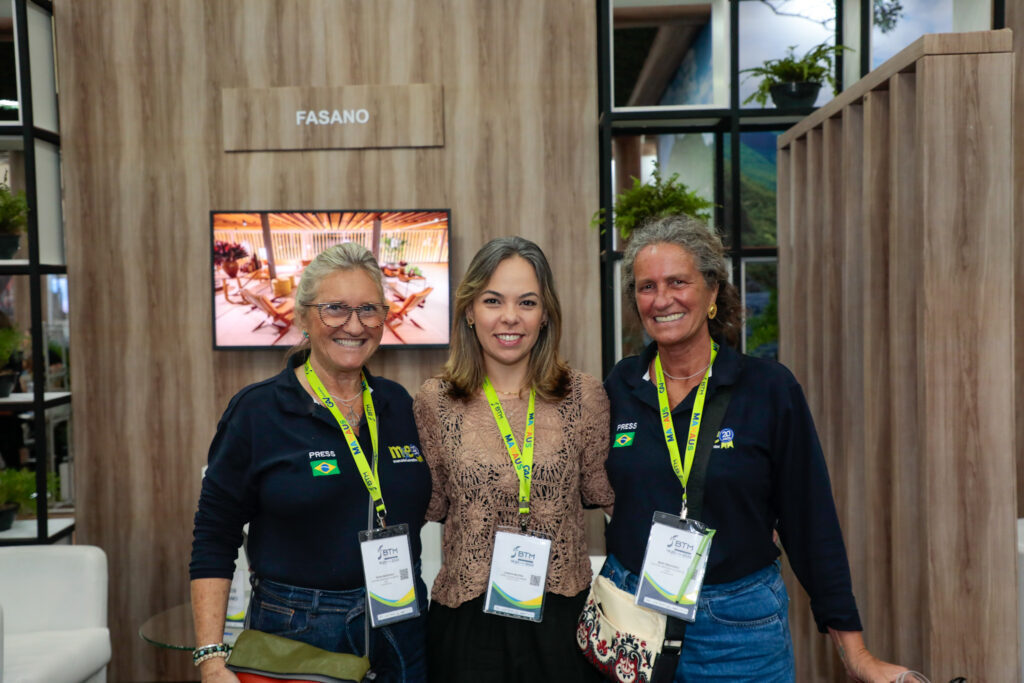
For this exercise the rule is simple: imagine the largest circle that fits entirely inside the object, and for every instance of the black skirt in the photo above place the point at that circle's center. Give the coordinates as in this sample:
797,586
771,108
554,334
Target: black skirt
465,645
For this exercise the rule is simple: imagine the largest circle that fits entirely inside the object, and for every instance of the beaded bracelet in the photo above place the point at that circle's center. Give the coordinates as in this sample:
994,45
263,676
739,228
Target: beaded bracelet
201,654
210,655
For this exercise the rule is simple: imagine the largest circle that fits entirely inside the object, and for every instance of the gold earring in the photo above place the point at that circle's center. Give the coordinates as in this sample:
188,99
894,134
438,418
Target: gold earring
712,312
470,323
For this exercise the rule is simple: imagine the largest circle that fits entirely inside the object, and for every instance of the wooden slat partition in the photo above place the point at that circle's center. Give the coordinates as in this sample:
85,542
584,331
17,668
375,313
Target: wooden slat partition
897,315
144,163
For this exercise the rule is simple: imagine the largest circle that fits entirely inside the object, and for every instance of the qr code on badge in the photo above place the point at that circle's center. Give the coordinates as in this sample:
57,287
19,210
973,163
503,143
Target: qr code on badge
535,580
403,574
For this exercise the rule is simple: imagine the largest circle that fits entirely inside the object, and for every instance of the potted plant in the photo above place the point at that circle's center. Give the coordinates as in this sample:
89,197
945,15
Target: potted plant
393,249
18,493
642,202
226,255
10,355
795,81
13,219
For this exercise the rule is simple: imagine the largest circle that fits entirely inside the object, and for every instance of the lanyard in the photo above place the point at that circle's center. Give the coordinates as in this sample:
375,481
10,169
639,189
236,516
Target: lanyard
369,477
680,467
521,461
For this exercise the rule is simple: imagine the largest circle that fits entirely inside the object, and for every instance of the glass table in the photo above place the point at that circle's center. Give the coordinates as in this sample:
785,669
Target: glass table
173,629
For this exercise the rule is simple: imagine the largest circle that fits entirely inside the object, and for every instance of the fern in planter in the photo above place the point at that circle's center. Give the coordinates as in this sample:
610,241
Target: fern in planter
13,219
644,202
815,66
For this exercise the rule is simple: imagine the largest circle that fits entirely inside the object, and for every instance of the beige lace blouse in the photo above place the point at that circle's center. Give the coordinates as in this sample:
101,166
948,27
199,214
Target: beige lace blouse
476,490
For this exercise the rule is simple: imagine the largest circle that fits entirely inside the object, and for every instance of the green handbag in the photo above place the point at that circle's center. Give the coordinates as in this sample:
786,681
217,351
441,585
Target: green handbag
259,656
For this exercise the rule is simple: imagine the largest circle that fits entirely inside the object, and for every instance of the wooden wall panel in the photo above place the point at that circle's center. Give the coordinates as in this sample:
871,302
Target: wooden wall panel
143,167
904,329
1015,21
968,393
872,216
916,258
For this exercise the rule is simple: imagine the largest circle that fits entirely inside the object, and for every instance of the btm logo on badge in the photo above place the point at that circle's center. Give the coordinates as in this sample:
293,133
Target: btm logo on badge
522,557
387,553
678,546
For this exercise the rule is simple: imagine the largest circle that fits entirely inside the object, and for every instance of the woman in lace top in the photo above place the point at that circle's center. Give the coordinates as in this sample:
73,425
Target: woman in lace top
505,336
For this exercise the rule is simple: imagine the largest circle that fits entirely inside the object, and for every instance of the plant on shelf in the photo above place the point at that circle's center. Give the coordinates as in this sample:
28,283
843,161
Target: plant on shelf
11,340
18,493
394,248
643,202
795,81
226,255
13,219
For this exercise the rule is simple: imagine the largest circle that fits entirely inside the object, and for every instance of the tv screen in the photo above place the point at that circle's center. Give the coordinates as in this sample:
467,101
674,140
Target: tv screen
258,259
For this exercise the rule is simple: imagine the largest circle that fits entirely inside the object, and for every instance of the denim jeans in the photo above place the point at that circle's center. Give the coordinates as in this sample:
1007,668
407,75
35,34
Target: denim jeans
741,632
334,621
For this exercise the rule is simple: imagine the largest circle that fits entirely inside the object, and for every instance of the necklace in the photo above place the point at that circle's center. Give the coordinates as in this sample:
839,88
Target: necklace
348,404
350,409
701,371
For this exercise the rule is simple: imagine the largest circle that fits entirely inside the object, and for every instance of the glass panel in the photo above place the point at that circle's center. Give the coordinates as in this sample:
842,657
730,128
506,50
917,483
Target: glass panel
769,27
761,302
670,53
757,189
630,336
12,171
690,155
44,85
9,110
898,23
48,195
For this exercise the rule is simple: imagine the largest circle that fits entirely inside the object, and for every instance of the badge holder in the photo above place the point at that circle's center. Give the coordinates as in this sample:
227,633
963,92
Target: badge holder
390,582
674,565
519,573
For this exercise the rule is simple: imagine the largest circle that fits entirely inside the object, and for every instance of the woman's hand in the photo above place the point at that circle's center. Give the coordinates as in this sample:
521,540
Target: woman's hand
214,671
860,664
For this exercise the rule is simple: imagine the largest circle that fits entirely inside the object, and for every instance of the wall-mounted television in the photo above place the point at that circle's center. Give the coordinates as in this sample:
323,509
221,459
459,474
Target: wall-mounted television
257,259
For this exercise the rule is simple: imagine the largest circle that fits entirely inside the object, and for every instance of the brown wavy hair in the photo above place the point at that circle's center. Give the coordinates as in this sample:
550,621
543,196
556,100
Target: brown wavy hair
705,246
464,371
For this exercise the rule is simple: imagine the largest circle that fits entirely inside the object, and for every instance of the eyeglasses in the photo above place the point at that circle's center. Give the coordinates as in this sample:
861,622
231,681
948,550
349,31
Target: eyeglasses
335,314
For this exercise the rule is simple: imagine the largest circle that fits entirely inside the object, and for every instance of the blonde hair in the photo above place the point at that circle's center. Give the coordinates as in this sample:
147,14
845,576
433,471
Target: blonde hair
340,257
464,371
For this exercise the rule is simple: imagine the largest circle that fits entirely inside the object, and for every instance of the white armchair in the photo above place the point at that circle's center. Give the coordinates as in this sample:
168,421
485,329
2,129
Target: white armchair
54,618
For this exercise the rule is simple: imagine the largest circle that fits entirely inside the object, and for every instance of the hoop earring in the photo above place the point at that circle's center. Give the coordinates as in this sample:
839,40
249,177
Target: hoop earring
712,311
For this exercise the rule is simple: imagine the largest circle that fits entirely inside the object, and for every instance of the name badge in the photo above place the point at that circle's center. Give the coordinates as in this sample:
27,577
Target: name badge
519,573
387,567
674,565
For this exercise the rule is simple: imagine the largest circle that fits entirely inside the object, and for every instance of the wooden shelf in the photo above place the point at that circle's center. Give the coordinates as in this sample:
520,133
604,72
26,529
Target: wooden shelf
25,531
26,401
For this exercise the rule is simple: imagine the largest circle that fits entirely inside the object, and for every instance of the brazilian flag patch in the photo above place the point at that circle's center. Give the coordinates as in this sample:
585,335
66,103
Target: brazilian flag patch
324,468
623,439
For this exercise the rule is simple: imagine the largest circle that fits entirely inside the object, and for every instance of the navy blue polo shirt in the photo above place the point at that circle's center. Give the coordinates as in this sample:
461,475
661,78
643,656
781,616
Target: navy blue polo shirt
766,472
303,524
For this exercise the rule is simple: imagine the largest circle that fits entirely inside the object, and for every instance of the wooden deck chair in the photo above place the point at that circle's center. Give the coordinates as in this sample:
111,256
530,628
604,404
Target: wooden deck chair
399,312
280,316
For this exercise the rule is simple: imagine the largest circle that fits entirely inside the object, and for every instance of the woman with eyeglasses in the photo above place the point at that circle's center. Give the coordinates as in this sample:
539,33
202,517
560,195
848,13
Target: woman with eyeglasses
310,458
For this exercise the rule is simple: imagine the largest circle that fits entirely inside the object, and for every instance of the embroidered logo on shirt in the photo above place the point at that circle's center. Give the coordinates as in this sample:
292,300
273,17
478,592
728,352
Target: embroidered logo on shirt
725,439
623,439
324,468
408,453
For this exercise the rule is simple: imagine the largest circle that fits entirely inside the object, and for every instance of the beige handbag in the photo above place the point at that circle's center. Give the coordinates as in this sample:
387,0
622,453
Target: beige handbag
618,637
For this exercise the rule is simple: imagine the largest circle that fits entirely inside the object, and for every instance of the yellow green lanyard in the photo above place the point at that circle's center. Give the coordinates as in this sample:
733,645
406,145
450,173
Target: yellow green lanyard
522,461
681,468
369,477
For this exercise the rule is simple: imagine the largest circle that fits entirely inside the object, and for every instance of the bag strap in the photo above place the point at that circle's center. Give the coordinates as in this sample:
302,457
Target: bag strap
675,629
